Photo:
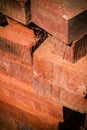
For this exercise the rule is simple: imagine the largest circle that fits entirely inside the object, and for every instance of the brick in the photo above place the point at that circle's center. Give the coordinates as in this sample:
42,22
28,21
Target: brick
73,100
43,60
16,94
17,40
60,72
12,117
14,67
45,88
22,7
42,86
66,20
55,93
72,53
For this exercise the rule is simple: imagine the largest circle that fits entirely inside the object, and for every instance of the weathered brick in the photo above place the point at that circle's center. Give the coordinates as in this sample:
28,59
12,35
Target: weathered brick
72,53
43,60
42,86
55,93
16,93
17,40
73,100
66,20
12,117
14,67
60,72
18,10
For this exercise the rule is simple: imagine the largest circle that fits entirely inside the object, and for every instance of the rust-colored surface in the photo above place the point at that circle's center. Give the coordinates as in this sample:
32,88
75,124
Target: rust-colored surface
37,76
12,117
18,10
66,20
21,95
10,65
71,53
2,19
62,73
17,40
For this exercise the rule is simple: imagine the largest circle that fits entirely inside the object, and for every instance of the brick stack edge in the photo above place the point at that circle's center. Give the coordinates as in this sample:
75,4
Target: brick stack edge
54,75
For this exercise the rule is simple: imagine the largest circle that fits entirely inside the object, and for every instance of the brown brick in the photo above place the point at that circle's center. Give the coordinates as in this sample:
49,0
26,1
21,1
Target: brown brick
14,67
18,10
42,86
60,72
72,53
16,93
17,40
66,20
73,100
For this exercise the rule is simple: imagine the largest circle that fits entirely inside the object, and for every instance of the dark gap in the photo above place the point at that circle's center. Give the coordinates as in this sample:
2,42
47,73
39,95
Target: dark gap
85,96
72,120
3,20
28,11
39,33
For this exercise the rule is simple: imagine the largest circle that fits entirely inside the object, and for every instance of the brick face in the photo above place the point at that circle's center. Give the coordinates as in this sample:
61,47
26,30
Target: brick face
22,13
17,94
73,100
14,67
61,72
17,40
71,53
66,21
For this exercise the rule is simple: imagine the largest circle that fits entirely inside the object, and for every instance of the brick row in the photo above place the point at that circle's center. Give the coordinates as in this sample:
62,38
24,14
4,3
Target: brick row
18,10
66,20
60,72
18,95
17,119
18,40
15,68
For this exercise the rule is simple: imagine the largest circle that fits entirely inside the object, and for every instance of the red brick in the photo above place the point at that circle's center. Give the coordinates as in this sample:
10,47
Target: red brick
66,20
72,53
16,93
42,86
43,60
17,10
55,93
14,67
17,40
15,118
60,72
73,100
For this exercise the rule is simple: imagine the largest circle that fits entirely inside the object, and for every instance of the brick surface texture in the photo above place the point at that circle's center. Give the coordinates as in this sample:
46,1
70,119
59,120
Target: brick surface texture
66,20
60,72
43,62
19,10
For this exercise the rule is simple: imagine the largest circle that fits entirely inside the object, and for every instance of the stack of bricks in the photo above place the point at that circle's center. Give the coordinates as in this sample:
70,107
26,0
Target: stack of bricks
40,72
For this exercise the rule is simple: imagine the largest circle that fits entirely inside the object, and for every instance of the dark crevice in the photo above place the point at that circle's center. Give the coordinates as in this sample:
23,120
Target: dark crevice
72,120
3,20
28,11
40,35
